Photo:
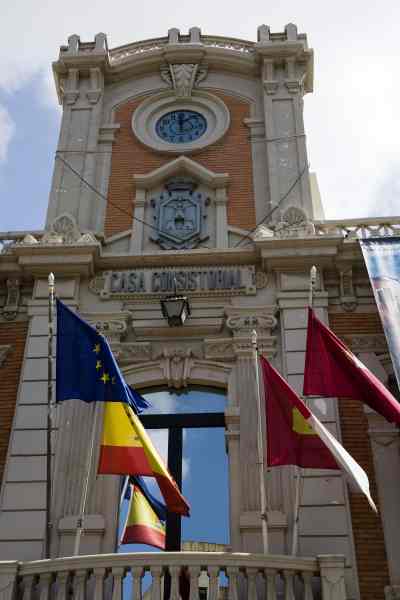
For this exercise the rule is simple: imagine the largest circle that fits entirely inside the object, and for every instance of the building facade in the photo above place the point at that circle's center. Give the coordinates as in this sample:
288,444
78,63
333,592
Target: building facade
182,162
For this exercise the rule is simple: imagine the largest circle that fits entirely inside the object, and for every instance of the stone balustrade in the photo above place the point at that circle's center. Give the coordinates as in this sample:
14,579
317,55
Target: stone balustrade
250,576
357,228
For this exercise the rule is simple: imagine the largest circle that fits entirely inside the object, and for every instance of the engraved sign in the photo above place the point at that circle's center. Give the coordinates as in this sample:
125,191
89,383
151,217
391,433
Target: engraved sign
200,281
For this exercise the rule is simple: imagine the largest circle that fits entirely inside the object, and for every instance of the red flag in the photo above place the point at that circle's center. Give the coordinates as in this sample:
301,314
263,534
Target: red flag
331,369
290,439
296,437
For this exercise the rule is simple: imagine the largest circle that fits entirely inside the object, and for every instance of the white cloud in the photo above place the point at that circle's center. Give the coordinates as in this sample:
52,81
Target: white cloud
7,130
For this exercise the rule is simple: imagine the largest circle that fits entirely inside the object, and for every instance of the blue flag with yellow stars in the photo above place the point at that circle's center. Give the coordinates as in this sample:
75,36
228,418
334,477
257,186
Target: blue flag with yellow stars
86,368
159,507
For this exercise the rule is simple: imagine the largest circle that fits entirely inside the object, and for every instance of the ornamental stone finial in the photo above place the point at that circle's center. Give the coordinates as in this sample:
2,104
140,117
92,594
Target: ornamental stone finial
195,35
291,32
100,41
263,32
73,43
173,36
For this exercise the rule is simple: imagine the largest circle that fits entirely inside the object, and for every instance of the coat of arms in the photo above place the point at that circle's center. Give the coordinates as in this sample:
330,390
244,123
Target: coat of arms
180,215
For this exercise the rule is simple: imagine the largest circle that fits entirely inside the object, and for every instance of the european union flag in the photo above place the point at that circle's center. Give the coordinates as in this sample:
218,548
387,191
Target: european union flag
86,368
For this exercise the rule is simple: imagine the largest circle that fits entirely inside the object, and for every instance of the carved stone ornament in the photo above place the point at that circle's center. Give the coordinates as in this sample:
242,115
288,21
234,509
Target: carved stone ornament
132,352
63,231
176,364
4,350
294,223
10,309
112,326
183,78
179,213
242,324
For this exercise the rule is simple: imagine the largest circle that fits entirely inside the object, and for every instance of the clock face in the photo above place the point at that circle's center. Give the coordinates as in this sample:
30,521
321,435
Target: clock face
181,126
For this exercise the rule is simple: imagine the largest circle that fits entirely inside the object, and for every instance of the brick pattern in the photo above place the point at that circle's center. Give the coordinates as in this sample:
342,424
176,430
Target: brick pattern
13,334
367,527
231,154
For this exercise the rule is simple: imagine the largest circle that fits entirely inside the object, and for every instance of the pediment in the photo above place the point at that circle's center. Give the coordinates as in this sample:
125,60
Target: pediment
182,166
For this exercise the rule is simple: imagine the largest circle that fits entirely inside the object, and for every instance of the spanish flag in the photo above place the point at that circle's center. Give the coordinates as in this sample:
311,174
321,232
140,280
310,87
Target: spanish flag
142,525
126,449
296,437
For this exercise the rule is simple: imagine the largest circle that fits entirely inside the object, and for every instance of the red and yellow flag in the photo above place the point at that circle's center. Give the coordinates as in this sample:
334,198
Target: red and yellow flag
142,525
126,449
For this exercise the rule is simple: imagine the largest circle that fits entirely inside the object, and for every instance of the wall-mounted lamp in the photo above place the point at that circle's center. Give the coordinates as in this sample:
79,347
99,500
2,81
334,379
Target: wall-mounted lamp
175,309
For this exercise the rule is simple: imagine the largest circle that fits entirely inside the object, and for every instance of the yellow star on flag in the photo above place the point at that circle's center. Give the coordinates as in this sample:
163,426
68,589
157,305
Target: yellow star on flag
105,377
97,348
98,365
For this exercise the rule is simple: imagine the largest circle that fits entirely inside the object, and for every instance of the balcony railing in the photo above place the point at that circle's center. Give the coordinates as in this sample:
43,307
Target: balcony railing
245,576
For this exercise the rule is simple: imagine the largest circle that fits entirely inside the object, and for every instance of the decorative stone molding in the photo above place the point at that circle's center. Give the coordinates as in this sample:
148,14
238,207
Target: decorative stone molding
182,78
219,349
176,363
4,350
71,89
132,352
10,309
96,85
348,297
392,592
242,321
153,108
294,223
366,342
63,231
332,576
270,84
112,325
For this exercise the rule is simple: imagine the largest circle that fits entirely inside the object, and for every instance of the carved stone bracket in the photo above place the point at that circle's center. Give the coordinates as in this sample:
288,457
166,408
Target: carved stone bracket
183,77
242,321
4,350
10,309
176,364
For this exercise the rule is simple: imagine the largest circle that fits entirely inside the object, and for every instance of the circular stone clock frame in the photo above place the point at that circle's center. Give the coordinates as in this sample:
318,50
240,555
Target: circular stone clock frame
151,110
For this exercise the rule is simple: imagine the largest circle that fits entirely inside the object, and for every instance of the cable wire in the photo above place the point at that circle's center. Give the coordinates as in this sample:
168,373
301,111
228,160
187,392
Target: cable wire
247,235
96,191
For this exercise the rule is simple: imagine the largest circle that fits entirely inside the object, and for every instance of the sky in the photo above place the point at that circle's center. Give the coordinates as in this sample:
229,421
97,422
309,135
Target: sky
351,119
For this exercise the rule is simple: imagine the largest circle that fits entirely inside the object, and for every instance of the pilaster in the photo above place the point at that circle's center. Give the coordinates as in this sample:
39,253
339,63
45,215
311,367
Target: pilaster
286,75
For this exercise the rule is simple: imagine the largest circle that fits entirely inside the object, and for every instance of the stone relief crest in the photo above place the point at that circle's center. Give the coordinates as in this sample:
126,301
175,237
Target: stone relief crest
183,77
180,215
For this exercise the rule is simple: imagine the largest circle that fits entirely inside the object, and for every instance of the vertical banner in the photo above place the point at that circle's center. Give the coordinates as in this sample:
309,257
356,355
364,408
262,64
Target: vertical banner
382,257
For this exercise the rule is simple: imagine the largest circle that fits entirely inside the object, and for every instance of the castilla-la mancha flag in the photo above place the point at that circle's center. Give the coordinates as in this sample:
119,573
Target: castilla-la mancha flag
126,449
331,369
296,437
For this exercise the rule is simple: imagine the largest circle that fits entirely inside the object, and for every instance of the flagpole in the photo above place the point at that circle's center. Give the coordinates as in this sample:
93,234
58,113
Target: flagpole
51,282
82,507
295,538
260,448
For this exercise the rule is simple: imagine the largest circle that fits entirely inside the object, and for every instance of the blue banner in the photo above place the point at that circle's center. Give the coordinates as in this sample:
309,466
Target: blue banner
382,257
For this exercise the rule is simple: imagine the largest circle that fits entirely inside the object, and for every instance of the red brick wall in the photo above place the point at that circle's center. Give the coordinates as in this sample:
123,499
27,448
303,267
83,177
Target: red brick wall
231,154
367,526
13,334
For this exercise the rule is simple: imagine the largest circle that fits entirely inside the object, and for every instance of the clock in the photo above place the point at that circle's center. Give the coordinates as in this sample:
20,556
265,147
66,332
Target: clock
174,125
181,126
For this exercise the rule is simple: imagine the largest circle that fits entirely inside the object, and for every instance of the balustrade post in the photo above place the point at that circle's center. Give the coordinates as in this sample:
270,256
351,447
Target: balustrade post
194,582
270,575
174,571
98,575
118,573
61,585
28,585
233,573
156,573
8,579
137,582
80,584
307,580
44,584
332,576
213,573
289,584
251,583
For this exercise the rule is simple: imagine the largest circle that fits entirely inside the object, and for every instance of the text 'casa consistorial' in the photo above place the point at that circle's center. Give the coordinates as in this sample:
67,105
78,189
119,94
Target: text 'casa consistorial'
195,280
